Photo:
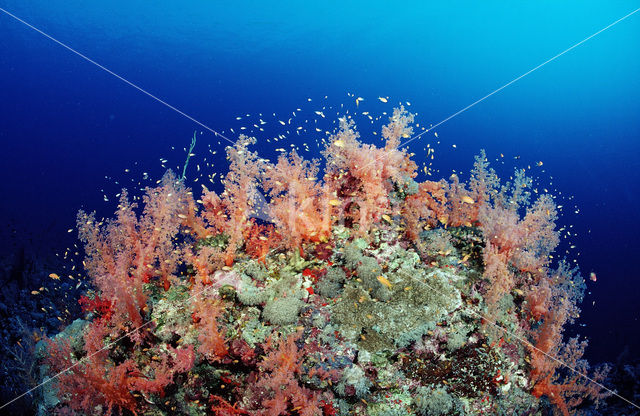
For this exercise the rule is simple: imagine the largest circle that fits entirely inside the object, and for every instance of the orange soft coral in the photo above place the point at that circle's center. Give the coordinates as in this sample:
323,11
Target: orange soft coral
550,358
260,239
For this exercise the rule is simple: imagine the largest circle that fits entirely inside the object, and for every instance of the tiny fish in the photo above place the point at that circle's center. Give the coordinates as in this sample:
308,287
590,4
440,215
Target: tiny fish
384,281
383,99
468,200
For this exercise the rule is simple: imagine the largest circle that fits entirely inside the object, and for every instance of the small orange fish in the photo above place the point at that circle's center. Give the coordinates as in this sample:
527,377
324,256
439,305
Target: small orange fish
384,281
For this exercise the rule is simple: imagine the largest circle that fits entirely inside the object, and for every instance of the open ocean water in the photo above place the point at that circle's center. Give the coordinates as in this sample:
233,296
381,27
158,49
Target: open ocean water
72,135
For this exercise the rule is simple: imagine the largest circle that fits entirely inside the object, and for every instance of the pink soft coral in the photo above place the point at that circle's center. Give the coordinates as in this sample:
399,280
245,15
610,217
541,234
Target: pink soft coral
362,175
278,386
425,209
515,245
129,251
230,212
299,204
213,344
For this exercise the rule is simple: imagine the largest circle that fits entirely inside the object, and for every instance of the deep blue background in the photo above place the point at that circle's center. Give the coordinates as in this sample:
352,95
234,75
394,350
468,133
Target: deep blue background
65,124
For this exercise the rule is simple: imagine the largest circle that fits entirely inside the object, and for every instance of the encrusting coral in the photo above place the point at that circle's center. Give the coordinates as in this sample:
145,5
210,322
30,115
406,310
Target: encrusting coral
364,293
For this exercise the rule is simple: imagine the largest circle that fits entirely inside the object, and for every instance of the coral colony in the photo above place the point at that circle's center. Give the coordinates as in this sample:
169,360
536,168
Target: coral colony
363,292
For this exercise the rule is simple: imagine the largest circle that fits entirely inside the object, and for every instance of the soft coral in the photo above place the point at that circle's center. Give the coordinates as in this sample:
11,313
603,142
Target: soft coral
230,211
96,381
362,174
278,388
260,239
557,369
299,205
92,381
132,250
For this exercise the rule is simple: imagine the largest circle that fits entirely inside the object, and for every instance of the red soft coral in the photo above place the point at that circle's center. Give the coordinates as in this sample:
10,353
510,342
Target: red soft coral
85,385
161,369
96,382
102,307
557,370
260,239
221,407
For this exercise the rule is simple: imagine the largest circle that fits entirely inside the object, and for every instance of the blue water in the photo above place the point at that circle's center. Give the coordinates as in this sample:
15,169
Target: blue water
65,124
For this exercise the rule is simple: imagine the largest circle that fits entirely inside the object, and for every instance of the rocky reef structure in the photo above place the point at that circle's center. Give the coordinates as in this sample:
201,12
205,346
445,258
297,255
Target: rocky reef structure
355,291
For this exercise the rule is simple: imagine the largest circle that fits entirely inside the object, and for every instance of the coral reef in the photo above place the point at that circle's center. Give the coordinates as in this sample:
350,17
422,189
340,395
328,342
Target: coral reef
367,293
